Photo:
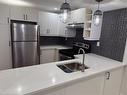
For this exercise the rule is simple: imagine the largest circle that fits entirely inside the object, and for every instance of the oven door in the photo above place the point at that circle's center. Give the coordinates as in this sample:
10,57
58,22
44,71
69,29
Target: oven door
63,57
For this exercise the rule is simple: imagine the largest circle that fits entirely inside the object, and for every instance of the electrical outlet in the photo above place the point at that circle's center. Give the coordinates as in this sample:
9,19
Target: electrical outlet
98,44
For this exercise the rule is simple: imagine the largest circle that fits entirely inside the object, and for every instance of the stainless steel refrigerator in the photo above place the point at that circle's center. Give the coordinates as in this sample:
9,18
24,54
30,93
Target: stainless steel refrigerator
25,44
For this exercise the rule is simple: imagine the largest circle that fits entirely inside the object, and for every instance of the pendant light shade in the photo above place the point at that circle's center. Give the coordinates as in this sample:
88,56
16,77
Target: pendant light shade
98,15
65,6
65,10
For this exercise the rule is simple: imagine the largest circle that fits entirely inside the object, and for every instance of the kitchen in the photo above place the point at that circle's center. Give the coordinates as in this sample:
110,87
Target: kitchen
60,69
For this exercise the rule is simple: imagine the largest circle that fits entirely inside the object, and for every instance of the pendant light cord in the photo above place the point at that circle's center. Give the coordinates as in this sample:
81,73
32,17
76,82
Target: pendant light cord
98,5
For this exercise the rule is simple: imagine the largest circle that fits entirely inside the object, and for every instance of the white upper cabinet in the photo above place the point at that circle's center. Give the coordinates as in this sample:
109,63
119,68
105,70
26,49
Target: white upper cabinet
78,16
84,15
51,25
22,13
18,13
32,14
62,29
48,24
4,16
91,31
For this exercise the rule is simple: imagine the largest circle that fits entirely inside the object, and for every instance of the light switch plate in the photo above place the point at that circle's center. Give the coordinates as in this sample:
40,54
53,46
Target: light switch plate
98,44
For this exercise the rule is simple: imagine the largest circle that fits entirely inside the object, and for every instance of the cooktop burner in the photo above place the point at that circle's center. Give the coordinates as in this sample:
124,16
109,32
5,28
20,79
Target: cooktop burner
75,49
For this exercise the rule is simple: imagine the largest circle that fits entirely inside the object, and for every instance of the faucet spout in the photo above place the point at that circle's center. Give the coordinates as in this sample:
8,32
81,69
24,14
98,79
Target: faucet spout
83,61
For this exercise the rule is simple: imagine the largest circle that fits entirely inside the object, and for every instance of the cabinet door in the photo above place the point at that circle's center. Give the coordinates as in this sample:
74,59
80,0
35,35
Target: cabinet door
57,55
96,30
4,16
78,16
47,55
62,29
125,84
81,15
70,33
18,13
43,22
48,24
113,84
31,14
89,87
53,24
73,17
5,50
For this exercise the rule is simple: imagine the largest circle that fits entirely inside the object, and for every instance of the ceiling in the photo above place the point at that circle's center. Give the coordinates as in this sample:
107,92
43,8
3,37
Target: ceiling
49,5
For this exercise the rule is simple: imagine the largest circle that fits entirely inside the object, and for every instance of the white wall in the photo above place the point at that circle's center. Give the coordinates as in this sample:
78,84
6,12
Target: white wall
125,54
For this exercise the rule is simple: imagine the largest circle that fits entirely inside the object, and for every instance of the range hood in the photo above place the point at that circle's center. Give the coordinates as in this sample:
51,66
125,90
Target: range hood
75,25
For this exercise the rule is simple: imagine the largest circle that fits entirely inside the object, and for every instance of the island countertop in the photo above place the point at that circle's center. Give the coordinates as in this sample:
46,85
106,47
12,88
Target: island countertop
28,80
54,47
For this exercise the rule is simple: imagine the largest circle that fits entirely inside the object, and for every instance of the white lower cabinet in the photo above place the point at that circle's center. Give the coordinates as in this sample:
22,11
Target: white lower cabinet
93,86
124,83
108,83
5,49
125,89
47,55
113,82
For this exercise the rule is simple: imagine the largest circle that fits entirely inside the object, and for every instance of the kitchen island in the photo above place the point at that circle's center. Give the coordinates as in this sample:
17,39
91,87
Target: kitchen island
48,79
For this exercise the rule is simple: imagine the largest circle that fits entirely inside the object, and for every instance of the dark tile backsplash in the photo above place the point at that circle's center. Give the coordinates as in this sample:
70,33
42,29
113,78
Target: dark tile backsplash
112,40
49,40
113,35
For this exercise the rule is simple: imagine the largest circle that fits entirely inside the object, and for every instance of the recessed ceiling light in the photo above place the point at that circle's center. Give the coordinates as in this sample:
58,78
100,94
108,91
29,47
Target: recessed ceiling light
16,2
55,8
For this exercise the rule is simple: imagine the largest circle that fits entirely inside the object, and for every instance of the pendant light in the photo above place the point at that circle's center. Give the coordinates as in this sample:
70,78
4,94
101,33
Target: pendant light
98,14
65,10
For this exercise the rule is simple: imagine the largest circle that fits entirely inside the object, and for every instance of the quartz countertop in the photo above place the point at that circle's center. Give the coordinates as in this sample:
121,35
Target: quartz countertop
29,80
55,47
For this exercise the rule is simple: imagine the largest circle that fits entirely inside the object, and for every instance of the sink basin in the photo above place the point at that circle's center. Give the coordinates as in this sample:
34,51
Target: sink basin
71,67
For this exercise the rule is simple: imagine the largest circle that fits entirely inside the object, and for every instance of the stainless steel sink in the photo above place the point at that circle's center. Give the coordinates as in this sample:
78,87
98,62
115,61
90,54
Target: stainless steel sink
71,67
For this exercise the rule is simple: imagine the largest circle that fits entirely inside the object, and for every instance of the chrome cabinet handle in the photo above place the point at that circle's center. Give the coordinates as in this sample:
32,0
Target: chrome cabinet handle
9,43
48,31
8,20
108,75
24,17
38,38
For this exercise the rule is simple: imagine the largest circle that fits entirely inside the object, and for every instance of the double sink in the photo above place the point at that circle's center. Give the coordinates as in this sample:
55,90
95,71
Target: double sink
71,67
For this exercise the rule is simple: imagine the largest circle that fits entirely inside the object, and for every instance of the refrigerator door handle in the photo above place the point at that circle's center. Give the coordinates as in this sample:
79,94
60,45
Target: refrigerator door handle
38,46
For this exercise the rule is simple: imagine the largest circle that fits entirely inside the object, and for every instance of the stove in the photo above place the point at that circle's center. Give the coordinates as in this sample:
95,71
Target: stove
66,54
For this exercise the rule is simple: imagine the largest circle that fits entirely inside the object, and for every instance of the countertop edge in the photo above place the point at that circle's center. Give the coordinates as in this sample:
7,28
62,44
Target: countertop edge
76,80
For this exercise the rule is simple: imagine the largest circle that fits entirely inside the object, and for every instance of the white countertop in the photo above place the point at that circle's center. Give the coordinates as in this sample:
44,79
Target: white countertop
24,81
54,47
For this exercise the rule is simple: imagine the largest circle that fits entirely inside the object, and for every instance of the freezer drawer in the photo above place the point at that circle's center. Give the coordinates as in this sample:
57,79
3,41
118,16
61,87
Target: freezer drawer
24,32
25,54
